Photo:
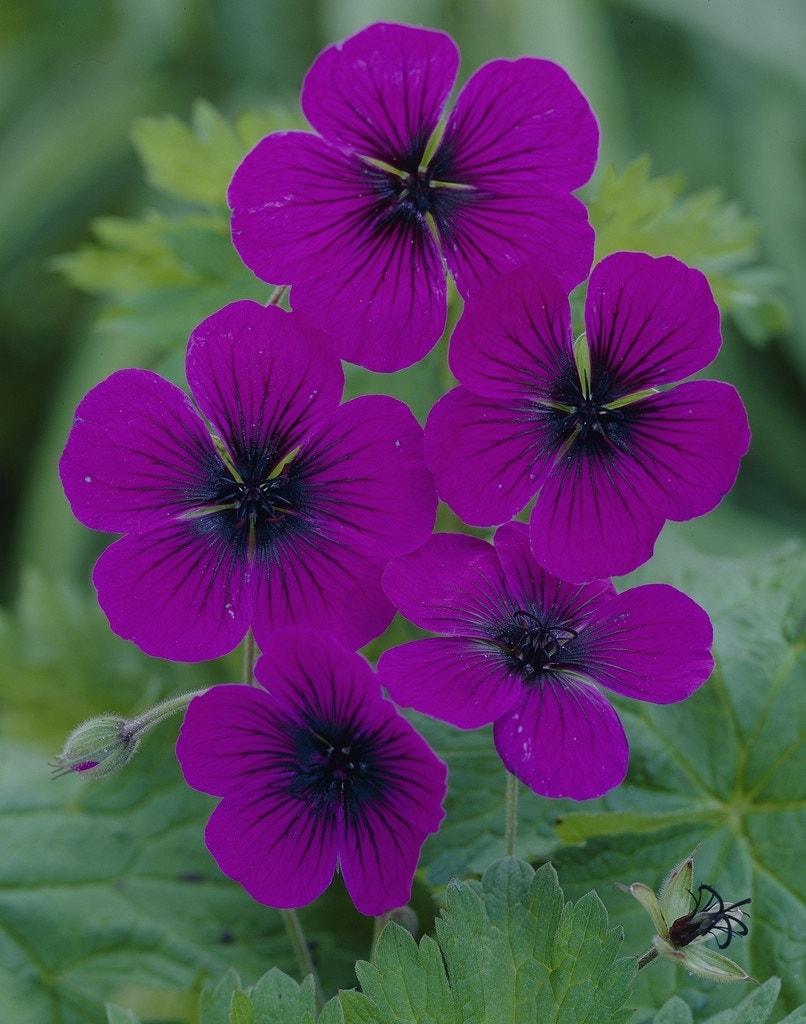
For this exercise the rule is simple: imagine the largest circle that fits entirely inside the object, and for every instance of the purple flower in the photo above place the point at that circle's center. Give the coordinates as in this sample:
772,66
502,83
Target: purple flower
285,514
528,651
317,772
361,218
585,426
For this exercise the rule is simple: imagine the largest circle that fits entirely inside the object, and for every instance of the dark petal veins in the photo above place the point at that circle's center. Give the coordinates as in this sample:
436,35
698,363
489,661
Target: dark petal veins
514,341
265,379
138,454
179,591
649,321
458,679
381,92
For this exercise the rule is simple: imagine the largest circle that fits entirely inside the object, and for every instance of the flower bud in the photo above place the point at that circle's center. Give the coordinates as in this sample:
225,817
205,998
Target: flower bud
98,747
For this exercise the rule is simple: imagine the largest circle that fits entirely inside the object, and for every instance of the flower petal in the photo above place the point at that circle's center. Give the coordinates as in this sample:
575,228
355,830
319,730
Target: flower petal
651,643
689,442
309,581
308,215
487,458
591,519
452,584
224,740
179,591
234,743
264,378
380,847
649,321
528,584
381,92
454,679
381,828
281,853
369,488
564,740
513,341
137,455
521,137
485,236
524,125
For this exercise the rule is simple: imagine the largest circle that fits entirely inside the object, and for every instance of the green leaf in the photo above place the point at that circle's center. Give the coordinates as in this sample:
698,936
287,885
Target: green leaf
630,210
241,1010
721,772
514,952
673,1012
195,162
215,1001
279,999
753,1009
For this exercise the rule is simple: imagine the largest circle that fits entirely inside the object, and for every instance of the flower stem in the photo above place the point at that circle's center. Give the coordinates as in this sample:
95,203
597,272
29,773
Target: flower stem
249,659
511,819
148,719
647,957
303,954
378,926
277,295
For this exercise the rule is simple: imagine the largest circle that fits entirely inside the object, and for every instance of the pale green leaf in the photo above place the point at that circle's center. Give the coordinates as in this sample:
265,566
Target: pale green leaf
630,210
215,1001
754,1008
241,1010
280,1000
195,162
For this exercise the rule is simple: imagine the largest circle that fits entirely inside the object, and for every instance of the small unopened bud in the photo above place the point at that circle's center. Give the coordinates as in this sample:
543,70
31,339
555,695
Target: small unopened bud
107,743
98,747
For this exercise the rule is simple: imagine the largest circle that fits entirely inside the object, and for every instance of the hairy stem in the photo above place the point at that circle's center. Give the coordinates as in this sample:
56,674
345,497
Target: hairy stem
511,816
646,958
303,953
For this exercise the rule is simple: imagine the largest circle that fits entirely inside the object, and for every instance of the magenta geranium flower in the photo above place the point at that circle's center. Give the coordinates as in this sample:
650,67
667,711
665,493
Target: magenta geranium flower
590,428
268,505
318,773
361,218
529,652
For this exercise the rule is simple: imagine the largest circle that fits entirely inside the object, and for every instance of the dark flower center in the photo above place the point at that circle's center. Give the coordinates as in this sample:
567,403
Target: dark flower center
415,194
409,192
257,502
252,501
336,767
534,646
590,419
585,418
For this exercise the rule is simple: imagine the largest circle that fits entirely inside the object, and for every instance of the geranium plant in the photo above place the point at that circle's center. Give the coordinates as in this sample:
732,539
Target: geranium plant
257,508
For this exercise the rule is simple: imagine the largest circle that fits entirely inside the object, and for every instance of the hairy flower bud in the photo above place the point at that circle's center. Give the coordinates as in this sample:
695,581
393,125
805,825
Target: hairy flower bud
98,747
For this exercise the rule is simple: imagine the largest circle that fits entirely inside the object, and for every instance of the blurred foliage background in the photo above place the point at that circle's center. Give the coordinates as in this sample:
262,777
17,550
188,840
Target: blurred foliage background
714,90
